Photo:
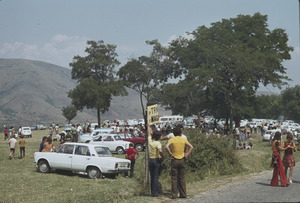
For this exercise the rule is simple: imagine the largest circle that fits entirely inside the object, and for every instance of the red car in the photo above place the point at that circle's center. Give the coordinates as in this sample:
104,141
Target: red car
138,142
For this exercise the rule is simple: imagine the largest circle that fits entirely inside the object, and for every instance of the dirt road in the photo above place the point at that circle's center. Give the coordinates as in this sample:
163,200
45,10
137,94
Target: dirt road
255,189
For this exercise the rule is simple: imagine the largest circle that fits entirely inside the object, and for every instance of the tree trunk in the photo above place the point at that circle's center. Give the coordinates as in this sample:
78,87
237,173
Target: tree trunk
98,117
231,117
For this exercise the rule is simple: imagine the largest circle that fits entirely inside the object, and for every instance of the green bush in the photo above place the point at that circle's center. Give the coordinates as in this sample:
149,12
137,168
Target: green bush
211,156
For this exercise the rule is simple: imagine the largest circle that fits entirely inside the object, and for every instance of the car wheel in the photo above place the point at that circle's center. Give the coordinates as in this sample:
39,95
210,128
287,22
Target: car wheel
43,167
120,150
93,173
139,147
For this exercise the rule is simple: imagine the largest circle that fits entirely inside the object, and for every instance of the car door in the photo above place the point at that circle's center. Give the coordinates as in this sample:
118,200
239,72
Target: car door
63,157
81,158
109,142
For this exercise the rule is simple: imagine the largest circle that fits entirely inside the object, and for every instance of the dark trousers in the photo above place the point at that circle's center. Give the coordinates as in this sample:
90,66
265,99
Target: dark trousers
154,167
178,174
132,163
22,152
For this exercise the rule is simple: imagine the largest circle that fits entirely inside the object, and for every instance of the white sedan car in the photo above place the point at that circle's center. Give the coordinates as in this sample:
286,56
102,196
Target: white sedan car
269,134
85,138
26,132
113,141
95,160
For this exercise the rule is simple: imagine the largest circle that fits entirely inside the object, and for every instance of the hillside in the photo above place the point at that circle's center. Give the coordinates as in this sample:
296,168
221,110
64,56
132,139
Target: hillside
34,92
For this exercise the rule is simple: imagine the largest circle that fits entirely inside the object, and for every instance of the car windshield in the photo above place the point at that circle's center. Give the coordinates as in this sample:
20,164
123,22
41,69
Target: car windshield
26,129
103,152
117,137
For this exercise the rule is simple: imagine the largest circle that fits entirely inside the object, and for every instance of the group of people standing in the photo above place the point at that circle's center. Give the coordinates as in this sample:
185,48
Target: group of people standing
181,150
280,167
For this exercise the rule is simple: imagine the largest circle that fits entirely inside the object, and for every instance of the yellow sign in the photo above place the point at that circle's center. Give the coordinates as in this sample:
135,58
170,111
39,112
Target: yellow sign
152,114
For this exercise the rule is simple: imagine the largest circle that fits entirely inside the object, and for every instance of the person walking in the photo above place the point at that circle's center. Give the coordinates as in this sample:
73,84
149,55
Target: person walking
5,133
132,154
12,147
155,158
22,143
178,158
288,160
277,163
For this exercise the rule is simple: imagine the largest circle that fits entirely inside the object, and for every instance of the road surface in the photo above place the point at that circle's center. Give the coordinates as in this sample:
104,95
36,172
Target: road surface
254,189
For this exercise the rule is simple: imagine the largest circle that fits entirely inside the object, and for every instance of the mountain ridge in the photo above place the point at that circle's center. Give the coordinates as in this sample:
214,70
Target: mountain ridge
33,92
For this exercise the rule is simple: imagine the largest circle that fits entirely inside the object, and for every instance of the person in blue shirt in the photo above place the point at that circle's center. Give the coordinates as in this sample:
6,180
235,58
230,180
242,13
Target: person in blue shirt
42,143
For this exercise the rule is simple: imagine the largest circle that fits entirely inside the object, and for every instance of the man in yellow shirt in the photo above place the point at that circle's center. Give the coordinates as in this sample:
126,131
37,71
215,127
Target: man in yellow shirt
178,162
155,157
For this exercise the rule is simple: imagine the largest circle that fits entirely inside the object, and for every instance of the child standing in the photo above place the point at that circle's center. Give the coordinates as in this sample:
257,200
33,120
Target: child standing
130,154
22,143
288,160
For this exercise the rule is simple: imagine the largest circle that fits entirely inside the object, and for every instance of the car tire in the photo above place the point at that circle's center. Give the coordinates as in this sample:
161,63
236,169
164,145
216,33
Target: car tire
43,167
93,173
139,147
120,150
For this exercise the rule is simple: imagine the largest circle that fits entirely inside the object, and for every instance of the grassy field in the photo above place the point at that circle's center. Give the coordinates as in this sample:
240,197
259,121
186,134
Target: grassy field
20,181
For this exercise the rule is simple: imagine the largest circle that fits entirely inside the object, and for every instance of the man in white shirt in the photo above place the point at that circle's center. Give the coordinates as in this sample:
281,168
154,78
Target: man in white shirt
171,135
79,129
12,147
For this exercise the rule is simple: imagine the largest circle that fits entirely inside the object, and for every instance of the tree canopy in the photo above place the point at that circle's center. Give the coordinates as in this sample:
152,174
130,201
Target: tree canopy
69,112
96,77
226,63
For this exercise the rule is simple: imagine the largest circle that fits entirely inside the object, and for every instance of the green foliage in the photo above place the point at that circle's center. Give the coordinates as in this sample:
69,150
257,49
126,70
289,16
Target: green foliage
226,63
291,103
268,106
211,155
69,112
96,78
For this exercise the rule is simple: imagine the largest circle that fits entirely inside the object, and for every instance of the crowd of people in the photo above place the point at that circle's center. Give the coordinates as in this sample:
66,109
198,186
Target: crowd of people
177,147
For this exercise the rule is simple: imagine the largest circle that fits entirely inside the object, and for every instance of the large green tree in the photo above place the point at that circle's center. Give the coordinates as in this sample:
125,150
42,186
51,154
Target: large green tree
229,61
138,75
291,103
69,112
96,76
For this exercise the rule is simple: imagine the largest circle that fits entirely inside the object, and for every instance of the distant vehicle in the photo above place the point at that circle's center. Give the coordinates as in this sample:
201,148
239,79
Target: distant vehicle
269,134
33,127
95,134
26,132
95,160
113,141
40,127
170,119
139,142
243,123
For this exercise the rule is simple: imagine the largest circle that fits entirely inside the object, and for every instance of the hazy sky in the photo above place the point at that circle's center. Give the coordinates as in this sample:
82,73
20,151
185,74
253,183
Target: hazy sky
55,31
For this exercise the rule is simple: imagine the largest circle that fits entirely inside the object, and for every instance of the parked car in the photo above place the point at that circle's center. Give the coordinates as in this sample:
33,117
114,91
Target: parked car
139,142
269,134
33,128
95,134
113,141
26,132
40,127
95,160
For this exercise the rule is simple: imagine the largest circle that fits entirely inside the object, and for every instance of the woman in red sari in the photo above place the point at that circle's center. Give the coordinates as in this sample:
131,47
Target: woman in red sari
278,168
